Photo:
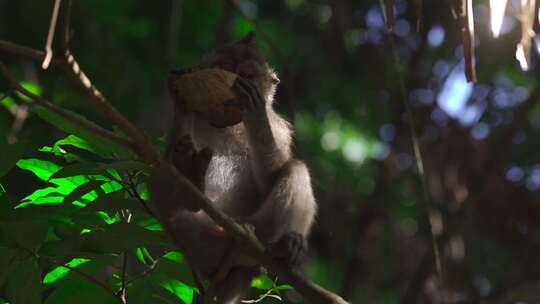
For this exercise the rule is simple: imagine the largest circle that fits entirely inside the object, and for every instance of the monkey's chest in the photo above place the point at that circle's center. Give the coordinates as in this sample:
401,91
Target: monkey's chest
228,175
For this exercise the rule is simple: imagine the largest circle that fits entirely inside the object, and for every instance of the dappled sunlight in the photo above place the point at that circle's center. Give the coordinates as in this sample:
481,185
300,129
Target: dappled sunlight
497,9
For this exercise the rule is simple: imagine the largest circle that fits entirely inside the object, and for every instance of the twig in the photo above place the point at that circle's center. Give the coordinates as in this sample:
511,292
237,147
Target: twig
50,35
92,127
226,264
267,294
122,292
418,157
87,277
198,282
13,48
74,72
419,15
143,146
146,272
21,113
387,6
468,40
132,190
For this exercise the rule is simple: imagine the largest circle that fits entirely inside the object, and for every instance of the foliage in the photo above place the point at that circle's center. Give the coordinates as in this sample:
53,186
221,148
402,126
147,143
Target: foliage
73,204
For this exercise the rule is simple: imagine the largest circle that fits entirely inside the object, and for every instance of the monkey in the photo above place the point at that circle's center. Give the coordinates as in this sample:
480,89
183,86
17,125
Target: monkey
247,170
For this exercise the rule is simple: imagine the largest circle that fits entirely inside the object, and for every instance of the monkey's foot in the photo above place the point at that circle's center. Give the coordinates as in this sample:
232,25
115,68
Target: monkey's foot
291,248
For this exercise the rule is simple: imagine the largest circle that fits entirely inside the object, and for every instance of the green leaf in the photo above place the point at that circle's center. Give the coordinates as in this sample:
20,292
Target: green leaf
120,237
41,168
32,87
182,291
179,271
174,256
150,224
128,165
262,282
25,234
76,170
44,213
61,271
93,169
97,141
80,291
64,186
144,256
107,218
283,287
81,190
24,284
80,143
113,202
147,290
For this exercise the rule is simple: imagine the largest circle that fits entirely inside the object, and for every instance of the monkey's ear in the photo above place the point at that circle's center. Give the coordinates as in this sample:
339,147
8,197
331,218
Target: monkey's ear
249,38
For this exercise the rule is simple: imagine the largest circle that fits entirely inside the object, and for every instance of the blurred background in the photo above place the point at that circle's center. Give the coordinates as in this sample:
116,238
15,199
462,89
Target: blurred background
340,86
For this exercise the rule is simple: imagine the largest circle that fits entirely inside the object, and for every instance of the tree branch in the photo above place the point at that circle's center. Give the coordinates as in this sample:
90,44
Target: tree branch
90,126
74,72
16,49
50,36
312,292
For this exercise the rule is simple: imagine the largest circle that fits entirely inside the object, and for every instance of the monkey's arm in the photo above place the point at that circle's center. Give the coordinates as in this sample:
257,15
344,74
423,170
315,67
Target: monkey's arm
267,156
288,210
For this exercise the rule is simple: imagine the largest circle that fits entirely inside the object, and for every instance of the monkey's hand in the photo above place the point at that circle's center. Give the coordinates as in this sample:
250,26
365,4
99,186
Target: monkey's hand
189,162
291,248
266,155
251,101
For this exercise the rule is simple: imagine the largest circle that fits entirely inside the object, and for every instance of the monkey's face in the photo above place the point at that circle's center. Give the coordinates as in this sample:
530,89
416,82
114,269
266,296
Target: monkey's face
245,59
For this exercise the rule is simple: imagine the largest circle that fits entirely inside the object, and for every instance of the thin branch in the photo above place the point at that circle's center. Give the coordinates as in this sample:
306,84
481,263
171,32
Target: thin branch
50,35
86,276
427,201
16,49
143,145
132,190
198,282
468,40
126,215
122,291
419,15
90,126
74,72
146,272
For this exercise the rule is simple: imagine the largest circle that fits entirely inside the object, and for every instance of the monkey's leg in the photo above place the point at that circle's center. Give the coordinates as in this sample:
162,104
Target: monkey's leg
287,213
236,284
191,231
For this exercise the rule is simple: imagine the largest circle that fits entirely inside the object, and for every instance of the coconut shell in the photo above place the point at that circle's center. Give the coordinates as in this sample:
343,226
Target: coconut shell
206,91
